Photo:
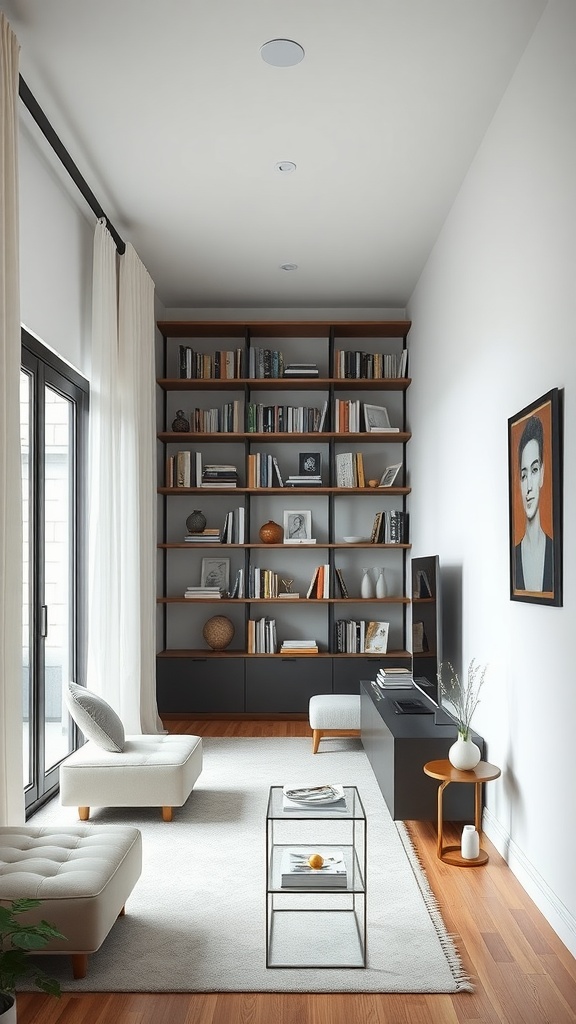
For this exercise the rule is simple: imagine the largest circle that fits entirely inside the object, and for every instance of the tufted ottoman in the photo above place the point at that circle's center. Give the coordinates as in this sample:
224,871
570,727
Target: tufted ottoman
151,771
83,876
333,714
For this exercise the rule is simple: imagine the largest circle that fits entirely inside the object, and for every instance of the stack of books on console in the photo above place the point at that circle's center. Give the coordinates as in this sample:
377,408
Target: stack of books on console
395,679
299,647
297,873
207,536
203,592
301,370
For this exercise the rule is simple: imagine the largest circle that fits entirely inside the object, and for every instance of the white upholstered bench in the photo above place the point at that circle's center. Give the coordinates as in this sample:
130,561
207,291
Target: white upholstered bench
333,714
82,875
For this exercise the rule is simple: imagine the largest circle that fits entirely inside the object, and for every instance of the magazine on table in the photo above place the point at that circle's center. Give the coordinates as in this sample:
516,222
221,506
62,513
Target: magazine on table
297,872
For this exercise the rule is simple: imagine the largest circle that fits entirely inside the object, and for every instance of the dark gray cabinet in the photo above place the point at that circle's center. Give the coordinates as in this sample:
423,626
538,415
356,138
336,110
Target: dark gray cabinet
398,746
199,685
285,685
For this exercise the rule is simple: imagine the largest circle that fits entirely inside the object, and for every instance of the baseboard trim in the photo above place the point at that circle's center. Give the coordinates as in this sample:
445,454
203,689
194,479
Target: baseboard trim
557,915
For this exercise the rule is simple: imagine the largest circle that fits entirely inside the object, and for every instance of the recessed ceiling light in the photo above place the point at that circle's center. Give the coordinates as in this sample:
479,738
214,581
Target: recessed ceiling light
285,166
282,53
288,266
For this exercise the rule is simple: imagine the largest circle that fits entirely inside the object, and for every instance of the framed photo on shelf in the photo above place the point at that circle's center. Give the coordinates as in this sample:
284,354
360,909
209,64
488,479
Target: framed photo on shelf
535,497
297,526
376,417
309,463
389,475
376,641
215,572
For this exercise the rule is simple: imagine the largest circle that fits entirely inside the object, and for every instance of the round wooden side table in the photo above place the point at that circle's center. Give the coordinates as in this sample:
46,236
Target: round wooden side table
446,773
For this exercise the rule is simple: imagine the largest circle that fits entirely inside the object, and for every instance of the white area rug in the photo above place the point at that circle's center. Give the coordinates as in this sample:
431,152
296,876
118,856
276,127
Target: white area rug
195,921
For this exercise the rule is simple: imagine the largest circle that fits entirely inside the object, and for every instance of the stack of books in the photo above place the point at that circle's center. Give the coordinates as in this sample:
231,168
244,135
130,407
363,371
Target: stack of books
394,679
299,647
212,536
309,480
301,370
297,873
202,592
219,475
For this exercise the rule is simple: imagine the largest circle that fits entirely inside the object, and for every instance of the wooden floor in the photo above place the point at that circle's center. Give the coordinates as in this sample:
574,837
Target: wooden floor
522,973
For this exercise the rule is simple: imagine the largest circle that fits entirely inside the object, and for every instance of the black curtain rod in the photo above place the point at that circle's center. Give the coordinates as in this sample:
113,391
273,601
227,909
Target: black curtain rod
63,155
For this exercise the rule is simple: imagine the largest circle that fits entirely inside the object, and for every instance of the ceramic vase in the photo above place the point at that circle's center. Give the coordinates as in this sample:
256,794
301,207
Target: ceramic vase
381,585
196,522
271,533
9,1015
470,846
464,754
367,585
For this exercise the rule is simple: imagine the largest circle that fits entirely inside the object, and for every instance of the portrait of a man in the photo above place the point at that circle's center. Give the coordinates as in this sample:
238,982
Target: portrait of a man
533,446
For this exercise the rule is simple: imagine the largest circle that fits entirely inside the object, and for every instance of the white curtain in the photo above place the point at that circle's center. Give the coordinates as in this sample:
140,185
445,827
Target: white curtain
11,786
122,492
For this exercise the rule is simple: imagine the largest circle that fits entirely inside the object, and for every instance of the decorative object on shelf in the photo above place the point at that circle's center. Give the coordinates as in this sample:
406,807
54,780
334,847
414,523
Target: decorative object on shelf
470,846
17,941
288,585
389,475
297,526
180,424
372,483
381,585
271,533
196,522
218,632
309,463
464,698
215,572
367,585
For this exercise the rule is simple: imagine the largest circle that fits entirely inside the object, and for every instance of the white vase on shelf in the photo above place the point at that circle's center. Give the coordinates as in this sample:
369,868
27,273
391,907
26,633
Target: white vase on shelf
367,585
464,754
381,585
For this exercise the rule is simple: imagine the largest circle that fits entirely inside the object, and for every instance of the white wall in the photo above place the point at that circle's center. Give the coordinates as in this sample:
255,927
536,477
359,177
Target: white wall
494,318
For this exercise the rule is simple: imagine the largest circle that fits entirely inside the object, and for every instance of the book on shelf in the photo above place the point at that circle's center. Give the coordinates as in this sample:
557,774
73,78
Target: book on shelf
299,647
169,471
345,475
209,536
369,365
419,638
301,370
423,588
341,583
289,594
390,527
183,464
376,638
297,873
212,593
304,481
387,680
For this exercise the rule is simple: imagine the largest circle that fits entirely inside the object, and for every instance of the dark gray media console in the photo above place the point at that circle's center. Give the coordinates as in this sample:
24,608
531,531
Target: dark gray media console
399,745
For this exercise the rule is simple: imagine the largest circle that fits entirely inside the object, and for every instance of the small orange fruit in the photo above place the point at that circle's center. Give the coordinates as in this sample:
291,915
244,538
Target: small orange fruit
315,860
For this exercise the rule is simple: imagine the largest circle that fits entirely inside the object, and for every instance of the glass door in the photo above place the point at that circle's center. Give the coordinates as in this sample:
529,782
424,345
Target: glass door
53,408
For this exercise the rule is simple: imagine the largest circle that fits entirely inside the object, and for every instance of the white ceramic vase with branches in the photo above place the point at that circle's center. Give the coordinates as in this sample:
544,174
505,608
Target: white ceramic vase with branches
463,696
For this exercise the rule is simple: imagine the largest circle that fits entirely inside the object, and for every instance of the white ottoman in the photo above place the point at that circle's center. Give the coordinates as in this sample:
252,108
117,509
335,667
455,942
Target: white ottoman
82,875
151,771
333,714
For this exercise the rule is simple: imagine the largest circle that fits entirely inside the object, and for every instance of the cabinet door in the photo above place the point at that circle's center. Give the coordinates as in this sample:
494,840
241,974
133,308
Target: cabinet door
188,685
285,685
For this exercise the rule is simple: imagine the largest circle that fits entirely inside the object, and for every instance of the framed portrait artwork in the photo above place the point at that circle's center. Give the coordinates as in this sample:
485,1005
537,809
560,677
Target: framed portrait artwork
535,502
215,572
297,526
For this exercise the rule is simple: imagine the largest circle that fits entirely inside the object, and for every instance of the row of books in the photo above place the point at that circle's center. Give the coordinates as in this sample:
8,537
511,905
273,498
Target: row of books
284,419
221,365
350,469
261,636
263,583
225,419
390,527
353,636
263,471
370,365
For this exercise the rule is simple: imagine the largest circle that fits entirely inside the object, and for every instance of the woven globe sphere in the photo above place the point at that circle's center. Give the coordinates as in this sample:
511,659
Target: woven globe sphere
271,533
218,632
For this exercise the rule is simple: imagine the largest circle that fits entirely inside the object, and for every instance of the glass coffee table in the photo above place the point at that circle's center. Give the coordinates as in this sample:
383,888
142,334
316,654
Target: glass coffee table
309,927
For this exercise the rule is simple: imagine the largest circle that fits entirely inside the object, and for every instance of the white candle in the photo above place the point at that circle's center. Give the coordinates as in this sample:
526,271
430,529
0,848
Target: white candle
470,842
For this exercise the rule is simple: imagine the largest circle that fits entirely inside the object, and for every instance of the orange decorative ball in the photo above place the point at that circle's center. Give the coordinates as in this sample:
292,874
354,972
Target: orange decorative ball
271,533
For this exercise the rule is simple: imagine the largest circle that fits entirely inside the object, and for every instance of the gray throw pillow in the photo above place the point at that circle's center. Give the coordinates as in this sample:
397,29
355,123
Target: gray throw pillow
97,720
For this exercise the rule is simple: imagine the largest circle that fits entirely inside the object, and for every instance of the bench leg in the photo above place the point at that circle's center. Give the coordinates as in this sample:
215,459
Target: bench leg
316,737
79,964
84,813
167,813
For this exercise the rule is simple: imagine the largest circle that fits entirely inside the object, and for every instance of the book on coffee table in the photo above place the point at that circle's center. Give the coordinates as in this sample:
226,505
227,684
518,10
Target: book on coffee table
297,873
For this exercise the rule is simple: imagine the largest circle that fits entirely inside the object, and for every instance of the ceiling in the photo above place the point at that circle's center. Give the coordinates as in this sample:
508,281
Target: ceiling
177,123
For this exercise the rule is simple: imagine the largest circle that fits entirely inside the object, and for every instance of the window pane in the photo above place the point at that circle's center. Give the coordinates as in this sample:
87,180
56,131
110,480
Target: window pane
27,639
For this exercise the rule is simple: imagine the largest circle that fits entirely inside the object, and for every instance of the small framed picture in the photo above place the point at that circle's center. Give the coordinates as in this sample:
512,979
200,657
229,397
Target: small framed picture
215,572
310,464
376,417
376,640
297,526
389,475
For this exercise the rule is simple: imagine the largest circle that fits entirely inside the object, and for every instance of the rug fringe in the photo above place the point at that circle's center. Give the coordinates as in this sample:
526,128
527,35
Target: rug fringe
462,979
